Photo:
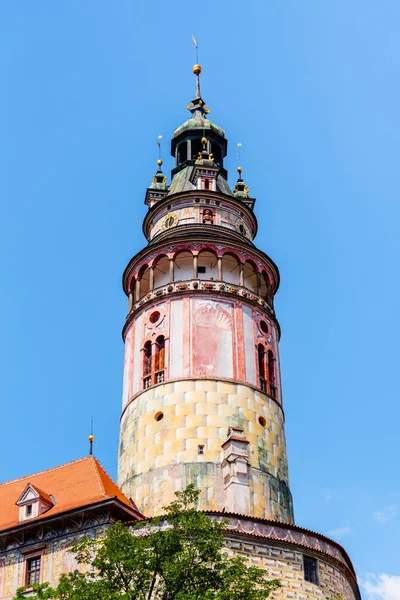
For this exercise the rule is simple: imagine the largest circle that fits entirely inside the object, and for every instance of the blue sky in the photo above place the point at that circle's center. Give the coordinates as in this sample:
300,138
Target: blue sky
311,89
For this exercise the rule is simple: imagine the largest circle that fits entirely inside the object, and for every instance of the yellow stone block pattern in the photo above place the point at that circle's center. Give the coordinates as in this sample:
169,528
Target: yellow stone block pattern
163,427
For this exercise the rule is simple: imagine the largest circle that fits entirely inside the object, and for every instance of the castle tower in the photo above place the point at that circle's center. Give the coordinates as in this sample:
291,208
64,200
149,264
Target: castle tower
202,397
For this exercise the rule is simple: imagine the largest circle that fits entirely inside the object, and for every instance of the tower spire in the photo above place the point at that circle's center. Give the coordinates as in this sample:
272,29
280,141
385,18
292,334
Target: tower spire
197,107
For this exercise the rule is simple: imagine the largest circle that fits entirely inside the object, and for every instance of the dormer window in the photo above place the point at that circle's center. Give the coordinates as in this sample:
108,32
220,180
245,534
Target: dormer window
33,502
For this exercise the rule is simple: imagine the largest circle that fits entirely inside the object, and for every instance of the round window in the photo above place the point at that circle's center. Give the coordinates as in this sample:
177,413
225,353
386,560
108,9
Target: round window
159,416
264,327
262,421
154,317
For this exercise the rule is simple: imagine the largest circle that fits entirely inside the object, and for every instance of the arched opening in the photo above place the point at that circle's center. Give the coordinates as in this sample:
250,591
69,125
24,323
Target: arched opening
159,364
147,365
263,284
182,152
271,374
261,367
197,147
250,276
161,272
217,153
230,269
144,278
183,266
207,267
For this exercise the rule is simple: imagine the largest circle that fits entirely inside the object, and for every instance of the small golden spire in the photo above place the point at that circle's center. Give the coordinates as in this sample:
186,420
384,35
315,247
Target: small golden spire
239,170
91,438
204,140
159,162
197,69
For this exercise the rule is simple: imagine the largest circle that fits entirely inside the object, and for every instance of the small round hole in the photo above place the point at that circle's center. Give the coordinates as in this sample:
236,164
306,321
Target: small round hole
264,326
158,416
154,316
262,421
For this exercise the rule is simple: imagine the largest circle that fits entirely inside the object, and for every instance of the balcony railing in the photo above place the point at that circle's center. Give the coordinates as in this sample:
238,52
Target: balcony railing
160,376
147,381
268,388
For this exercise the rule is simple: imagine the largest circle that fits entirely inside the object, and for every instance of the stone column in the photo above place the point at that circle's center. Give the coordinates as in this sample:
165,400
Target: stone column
171,270
219,260
130,301
151,279
137,289
241,274
258,283
195,263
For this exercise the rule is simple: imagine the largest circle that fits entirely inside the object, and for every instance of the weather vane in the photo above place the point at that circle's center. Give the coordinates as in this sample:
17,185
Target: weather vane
159,138
196,45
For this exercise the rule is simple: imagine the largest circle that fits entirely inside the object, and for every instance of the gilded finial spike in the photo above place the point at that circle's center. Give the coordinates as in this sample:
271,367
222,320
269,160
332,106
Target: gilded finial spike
91,438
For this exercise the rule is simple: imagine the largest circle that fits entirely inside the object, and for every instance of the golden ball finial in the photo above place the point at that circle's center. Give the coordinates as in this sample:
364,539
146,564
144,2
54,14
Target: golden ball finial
239,169
197,69
91,438
204,140
159,162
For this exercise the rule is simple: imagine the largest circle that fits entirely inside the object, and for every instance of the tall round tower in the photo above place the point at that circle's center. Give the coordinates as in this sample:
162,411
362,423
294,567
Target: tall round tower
202,398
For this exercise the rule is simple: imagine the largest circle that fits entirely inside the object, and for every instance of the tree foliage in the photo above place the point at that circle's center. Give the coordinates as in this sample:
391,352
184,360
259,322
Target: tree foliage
178,556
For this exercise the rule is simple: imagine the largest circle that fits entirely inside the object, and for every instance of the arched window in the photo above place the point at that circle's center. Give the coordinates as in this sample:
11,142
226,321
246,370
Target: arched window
144,278
147,365
160,359
250,277
230,269
161,272
271,374
182,152
197,147
261,367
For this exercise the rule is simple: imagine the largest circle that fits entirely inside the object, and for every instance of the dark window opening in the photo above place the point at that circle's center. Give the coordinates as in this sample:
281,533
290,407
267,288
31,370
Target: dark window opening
182,153
217,153
28,510
310,569
261,367
197,147
200,449
206,184
201,269
33,570
159,416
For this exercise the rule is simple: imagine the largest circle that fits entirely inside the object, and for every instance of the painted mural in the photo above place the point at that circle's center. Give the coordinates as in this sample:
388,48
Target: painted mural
212,338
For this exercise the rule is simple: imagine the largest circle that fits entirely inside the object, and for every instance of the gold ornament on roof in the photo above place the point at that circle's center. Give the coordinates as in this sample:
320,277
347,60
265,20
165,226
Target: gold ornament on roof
159,162
204,140
91,438
197,69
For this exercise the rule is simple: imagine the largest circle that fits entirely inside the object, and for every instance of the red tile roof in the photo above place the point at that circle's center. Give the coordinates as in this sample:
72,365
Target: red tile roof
73,485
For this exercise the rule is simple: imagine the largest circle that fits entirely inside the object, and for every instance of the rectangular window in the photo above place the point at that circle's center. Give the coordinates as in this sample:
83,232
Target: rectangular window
201,269
310,569
33,570
200,449
28,511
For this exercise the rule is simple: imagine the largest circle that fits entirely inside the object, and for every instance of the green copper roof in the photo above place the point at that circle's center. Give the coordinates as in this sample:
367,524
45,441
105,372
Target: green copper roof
199,123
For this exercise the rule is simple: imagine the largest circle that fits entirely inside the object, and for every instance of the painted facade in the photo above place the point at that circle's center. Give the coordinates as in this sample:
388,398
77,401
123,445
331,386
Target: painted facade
202,395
